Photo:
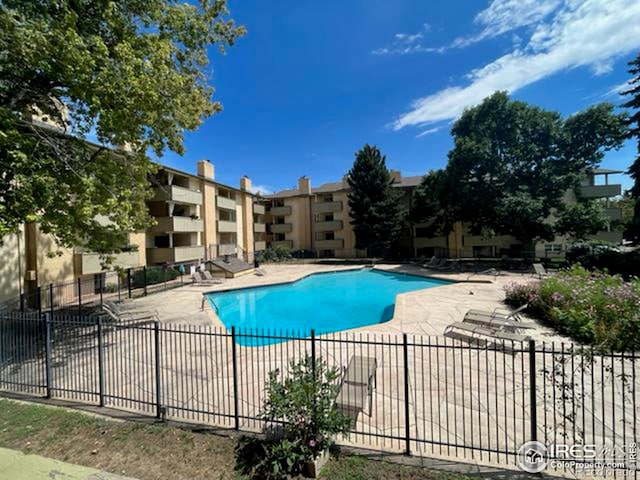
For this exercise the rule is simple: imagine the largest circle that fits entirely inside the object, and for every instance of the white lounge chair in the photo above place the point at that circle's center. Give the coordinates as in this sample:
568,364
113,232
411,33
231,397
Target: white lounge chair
357,385
539,270
500,313
119,313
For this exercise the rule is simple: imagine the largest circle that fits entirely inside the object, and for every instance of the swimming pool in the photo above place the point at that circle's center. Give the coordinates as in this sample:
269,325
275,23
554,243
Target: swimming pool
325,302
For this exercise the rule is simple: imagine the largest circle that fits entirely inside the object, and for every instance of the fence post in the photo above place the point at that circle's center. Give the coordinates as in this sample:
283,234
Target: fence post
156,329
79,296
47,361
129,281
405,354
101,287
235,379
532,390
39,299
51,299
118,279
144,276
313,352
100,361
22,302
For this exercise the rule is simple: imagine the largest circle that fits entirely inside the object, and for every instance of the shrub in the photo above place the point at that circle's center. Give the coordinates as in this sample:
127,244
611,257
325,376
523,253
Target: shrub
154,275
300,408
592,307
277,254
606,257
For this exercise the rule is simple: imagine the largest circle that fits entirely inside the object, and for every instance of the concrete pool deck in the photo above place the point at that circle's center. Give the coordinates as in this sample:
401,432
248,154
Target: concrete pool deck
421,312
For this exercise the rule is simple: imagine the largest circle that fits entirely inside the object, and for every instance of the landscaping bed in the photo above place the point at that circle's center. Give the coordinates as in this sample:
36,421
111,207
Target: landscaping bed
148,451
594,308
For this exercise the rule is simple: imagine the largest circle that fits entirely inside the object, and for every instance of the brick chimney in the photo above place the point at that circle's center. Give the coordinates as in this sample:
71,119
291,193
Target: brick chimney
245,184
206,169
304,185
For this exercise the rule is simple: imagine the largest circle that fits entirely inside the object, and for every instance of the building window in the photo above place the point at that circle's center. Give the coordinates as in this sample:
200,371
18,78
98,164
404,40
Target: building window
552,248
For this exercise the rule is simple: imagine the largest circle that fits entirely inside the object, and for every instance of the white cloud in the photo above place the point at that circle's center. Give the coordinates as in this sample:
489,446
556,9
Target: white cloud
406,43
591,33
428,131
263,189
617,90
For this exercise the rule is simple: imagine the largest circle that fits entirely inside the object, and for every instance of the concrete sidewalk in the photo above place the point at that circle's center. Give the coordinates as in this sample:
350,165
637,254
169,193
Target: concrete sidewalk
15,465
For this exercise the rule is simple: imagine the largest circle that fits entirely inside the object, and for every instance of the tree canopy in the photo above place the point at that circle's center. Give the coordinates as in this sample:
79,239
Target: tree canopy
376,209
130,73
512,163
633,228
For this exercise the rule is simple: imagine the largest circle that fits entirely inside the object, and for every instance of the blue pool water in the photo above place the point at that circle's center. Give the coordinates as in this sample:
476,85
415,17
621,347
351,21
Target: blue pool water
327,302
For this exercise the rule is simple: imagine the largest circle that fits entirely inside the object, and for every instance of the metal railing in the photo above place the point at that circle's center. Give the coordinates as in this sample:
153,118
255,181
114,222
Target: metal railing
433,396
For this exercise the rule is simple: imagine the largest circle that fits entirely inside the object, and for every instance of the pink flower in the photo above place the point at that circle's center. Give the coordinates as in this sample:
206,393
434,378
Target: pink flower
312,443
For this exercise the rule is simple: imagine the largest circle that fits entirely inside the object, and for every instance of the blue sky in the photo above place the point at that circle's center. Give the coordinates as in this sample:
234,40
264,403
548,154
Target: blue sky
311,82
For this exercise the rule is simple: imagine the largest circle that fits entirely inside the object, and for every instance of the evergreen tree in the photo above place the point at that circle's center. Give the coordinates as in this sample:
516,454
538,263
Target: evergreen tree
633,229
376,209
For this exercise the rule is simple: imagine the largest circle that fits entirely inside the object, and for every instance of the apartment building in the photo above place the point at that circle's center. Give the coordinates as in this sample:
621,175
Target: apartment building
317,220
196,219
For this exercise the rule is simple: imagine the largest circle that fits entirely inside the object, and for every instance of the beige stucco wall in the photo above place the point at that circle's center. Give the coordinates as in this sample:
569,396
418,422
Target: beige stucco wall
301,219
247,225
208,214
12,265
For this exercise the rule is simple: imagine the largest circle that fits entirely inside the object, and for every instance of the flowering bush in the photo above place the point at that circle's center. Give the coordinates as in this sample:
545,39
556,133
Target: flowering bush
594,308
302,407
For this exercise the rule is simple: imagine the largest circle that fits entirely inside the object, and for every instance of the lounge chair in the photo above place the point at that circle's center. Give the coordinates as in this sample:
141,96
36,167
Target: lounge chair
483,335
500,313
357,385
539,270
206,276
497,323
431,262
119,314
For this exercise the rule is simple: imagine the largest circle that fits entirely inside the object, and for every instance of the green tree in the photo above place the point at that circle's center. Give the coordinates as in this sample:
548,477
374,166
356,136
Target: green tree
633,228
376,209
431,204
129,73
512,163
580,220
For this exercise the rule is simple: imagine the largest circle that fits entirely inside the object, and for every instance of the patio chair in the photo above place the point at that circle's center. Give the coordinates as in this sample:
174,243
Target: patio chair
431,262
497,323
120,314
539,270
484,335
500,313
206,276
357,385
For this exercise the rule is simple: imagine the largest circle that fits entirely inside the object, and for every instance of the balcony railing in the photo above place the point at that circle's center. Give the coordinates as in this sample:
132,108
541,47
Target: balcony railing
282,243
281,228
259,246
258,209
89,263
175,254
227,249
328,226
226,203
599,191
177,194
613,213
227,226
259,227
329,244
327,207
177,224
280,211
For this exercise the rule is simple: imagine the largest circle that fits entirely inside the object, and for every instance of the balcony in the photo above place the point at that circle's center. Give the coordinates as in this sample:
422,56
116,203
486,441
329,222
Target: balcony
259,246
89,263
175,254
329,244
226,203
613,214
226,226
280,211
328,226
177,194
599,191
258,209
282,243
177,224
327,207
281,228
259,227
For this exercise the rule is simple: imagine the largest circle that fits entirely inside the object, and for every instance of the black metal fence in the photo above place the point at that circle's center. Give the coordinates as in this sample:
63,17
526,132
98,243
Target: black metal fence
84,294
433,396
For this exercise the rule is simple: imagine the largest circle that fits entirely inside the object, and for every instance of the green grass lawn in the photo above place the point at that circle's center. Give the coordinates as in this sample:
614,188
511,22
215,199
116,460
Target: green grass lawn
152,452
